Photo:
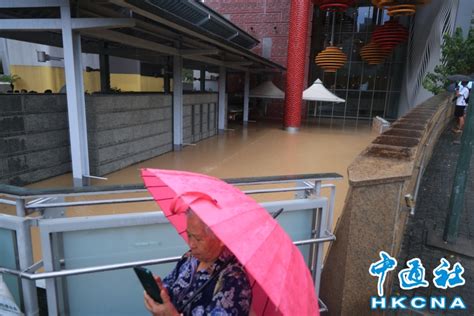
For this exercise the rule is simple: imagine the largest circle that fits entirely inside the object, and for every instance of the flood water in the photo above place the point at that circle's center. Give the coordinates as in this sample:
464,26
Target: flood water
258,150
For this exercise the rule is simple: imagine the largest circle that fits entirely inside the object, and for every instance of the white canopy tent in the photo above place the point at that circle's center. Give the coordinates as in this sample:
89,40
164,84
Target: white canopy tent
267,90
318,92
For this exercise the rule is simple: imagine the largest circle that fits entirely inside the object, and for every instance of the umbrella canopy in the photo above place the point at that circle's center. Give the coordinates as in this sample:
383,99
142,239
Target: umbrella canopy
268,90
281,281
318,92
458,77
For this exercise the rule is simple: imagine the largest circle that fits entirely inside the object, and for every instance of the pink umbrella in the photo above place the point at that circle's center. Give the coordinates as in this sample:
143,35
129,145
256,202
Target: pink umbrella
282,283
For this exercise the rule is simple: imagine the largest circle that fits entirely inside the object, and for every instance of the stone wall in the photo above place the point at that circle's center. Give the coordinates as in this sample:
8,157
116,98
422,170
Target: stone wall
123,129
200,116
34,139
375,214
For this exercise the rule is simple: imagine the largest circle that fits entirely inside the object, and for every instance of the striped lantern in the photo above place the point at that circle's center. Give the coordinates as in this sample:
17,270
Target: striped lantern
331,59
373,54
389,35
334,5
399,8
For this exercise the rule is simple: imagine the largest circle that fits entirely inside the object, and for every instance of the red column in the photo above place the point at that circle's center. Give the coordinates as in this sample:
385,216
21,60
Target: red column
297,38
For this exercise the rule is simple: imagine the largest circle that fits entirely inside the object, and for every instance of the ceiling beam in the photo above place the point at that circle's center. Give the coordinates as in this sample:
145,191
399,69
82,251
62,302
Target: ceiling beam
101,23
56,24
130,40
10,4
191,52
239,63
30,24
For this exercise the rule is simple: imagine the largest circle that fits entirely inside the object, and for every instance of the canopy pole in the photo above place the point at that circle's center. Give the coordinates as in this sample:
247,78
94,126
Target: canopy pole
75,98
246,98
222,105
177,103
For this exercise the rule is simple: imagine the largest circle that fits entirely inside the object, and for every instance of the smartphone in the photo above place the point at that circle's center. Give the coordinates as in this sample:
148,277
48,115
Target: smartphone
149,284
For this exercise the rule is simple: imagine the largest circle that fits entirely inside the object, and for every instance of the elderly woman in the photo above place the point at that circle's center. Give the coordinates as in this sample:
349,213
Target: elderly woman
208,280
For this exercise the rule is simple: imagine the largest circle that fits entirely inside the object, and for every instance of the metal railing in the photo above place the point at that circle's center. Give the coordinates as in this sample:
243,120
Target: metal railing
28,202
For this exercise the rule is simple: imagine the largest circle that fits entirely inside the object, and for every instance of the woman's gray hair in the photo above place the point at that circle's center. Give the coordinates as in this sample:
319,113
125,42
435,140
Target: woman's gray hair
190,212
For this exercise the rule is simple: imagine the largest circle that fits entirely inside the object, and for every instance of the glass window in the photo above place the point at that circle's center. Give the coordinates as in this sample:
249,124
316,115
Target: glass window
368,89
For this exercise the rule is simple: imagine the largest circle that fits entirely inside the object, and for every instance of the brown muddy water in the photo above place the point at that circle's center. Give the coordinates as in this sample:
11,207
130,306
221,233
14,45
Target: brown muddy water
258,150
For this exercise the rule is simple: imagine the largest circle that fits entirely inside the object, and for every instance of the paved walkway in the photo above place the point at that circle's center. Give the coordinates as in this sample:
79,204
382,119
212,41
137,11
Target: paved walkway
431,211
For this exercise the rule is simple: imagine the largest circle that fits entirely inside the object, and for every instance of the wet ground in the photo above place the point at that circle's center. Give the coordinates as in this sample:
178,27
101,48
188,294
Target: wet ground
429,220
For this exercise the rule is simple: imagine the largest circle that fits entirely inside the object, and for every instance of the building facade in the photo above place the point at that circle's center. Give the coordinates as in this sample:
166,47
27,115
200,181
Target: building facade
388,89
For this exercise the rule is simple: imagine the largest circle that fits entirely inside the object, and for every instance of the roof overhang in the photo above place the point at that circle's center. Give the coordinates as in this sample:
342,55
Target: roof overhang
147,30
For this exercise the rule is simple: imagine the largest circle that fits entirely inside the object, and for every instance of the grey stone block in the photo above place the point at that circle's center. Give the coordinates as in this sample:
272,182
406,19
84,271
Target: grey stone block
187,140
186,121
123,150
187,132
137,157
111,103
48,158
200,98
128,134
187,110
13,144
47,140
44,103
45,173
12,125
16,164
31,176
121,119
10,104
46,121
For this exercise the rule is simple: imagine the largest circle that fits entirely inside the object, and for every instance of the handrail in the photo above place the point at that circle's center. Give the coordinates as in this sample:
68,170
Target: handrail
125,265
19,192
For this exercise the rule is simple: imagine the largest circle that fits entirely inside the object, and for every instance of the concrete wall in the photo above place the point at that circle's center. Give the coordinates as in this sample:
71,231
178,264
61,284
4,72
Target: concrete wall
375,214
123,129
203,123
34,139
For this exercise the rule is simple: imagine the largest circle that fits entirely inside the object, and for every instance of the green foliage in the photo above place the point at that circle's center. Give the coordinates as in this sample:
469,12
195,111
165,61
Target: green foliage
457,58
9,78
188,76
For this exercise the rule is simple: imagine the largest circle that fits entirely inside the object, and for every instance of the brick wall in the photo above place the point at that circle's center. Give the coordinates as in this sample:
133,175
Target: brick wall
265,19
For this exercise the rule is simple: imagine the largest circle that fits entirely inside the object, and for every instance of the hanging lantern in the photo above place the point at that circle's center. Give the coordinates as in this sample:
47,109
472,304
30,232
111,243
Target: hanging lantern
399,8
373,54
381,4
334,5
331,59
389,35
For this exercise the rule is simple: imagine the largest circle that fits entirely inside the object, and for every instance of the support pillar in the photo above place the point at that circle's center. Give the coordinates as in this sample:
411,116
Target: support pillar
75,98
298,36
177,103
166,76
222,107
104,71
246,98
202,79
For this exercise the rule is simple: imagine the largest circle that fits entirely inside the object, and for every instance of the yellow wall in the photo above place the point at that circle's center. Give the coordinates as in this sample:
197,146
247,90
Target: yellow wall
41,78
135,82
38,78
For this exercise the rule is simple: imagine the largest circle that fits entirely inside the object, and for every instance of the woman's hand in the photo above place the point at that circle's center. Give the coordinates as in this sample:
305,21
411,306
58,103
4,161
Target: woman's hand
157,309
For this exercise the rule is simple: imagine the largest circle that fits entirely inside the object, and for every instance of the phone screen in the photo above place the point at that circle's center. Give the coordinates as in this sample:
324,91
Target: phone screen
149,284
